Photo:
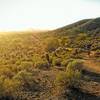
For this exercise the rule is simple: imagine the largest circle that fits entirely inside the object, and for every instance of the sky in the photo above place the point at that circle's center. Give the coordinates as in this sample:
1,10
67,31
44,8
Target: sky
45,14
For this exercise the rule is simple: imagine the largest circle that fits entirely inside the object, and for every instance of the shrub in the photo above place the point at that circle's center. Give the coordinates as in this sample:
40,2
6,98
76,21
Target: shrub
1,86
8,87
42,64
52,44
56,61
11,86
26,79
7,72
97,53
25,66
74,65
65,62
68,79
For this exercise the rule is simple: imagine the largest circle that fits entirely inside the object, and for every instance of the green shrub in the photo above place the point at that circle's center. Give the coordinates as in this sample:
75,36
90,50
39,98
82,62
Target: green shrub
8,87
7,72
52,44
26,79
74,65
68,79
25,66
56,61
42,64
65,62
11,86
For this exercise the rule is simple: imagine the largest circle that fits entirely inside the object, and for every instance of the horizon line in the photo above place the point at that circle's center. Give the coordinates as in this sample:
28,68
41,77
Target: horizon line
39,29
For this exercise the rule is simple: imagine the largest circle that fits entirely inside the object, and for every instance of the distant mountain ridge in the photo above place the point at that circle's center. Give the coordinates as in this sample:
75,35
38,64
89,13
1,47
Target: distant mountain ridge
91,26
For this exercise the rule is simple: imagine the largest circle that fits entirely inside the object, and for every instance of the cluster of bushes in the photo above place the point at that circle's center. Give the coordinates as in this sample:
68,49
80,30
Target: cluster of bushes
21,53
70,78
13,82
81,41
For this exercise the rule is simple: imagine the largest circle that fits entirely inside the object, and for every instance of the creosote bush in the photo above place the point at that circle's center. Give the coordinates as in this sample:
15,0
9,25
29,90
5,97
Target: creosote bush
56,61
70,78
28,66
8,87
74,65
26,79
65,62
11,86
42,64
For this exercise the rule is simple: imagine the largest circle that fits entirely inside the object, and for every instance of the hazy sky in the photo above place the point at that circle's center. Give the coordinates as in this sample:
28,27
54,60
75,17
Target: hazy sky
45,14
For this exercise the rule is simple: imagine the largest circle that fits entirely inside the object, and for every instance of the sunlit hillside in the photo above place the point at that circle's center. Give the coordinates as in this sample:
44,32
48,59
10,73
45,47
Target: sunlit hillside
51,65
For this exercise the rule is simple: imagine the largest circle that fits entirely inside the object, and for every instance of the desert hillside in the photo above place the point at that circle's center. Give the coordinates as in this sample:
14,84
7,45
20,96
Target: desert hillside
62,64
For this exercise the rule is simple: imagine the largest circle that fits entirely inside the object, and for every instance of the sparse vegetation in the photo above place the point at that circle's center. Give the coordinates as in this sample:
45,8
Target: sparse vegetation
68,79
30,62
